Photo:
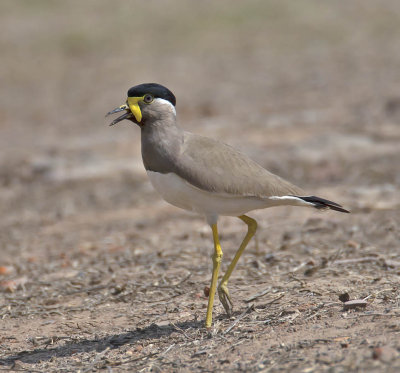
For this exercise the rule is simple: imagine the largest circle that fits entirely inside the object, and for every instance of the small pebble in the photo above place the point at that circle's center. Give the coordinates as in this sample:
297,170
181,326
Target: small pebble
345,297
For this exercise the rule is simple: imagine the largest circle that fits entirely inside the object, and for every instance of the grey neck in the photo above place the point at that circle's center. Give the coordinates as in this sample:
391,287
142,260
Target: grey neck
161,145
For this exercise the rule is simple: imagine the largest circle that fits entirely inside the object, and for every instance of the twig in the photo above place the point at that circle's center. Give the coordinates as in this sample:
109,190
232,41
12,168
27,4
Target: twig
141,285
95,360
318,310
162,300
357,260
276,299
182,331
116,363
168,349
87,290
294,278
295,269
334,257
370,314
13,368
200,352
248,310
183,280
258,295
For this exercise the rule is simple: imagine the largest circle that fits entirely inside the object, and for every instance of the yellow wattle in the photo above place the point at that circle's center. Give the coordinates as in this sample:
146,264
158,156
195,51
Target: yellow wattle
134,106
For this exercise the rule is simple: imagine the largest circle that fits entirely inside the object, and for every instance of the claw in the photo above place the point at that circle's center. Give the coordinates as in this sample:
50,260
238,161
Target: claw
225,298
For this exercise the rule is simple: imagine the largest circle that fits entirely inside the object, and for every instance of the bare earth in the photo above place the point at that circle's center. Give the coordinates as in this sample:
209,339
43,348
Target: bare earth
97,273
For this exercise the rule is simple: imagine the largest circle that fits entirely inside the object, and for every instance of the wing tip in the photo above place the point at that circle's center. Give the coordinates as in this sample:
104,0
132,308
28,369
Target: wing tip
322,203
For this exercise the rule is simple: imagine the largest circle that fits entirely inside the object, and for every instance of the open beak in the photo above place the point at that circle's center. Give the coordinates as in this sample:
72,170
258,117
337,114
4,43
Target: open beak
127,115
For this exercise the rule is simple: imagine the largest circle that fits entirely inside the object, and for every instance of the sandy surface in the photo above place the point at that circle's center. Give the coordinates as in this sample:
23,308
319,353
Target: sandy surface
97,273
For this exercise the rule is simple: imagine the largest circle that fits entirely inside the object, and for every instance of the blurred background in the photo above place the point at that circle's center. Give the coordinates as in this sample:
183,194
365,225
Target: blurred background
309,89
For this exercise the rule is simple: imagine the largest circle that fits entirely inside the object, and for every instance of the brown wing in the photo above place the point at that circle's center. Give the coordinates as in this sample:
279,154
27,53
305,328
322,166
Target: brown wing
213,166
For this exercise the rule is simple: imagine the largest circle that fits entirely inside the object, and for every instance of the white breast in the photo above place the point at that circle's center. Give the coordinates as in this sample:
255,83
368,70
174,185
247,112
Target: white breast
180,193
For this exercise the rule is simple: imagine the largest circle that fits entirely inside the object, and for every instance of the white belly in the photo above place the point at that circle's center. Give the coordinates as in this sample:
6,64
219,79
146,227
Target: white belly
180,193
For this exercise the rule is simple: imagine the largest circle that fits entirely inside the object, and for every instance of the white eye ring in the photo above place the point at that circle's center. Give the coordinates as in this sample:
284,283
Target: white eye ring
148,99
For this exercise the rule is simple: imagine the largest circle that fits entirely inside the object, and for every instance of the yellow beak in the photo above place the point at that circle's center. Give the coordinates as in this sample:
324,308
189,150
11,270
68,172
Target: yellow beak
133,103
132,109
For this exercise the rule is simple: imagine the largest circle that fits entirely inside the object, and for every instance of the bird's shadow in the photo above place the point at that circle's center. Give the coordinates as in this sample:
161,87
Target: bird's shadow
112,341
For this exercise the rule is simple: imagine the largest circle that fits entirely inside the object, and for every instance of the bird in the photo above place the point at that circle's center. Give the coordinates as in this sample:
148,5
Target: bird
206,176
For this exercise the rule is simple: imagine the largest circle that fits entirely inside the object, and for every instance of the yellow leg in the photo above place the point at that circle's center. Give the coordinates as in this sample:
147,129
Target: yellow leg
223,292
217,257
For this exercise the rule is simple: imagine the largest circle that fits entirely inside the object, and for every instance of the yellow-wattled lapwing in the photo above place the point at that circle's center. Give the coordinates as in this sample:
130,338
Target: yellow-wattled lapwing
204,175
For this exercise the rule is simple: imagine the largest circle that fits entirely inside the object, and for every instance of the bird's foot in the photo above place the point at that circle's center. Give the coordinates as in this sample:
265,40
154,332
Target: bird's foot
225,299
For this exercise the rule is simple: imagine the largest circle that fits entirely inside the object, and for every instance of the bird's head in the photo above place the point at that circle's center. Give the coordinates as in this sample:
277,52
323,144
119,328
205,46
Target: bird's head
145,103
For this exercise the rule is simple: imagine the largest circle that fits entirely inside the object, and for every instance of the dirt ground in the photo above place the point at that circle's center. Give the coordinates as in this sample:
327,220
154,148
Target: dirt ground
97,273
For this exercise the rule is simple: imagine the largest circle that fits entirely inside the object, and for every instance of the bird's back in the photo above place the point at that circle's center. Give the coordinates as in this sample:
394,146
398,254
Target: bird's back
216,167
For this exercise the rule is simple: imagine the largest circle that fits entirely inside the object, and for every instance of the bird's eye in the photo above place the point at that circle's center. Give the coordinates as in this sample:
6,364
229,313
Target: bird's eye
148,99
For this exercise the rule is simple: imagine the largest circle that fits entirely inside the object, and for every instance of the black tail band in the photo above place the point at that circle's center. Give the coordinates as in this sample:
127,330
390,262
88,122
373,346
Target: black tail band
321,203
